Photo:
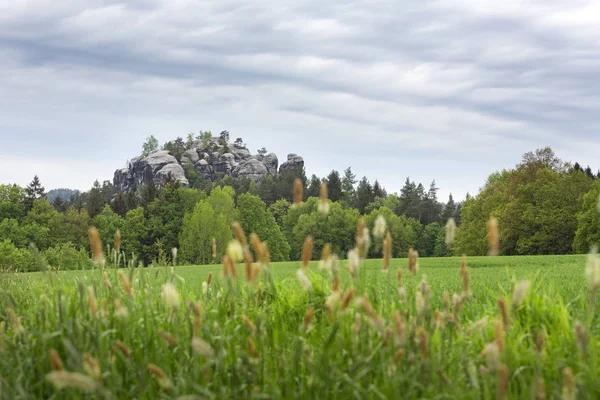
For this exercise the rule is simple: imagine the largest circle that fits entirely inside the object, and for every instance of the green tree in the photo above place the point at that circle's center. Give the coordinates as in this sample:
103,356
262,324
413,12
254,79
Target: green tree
199,229
107,223
12,198
334,186
400,228
135,233
364,195
255,218
33,191
149,146
588,222
95,200
314,187
279,209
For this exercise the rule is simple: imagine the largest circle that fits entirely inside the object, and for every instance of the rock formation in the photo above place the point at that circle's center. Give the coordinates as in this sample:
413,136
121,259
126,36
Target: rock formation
211,159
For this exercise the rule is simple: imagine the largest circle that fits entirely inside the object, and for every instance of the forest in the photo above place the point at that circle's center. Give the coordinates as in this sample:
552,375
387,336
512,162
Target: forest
543,206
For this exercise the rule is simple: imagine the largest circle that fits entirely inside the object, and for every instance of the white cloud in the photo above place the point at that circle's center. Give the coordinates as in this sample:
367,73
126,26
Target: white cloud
435,89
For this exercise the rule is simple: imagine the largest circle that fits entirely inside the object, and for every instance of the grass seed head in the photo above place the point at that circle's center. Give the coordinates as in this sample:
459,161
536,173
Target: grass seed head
170,296
493,236
202,348
120,311
2,333
502,385
423,338
126,284
323,200
298,192
540,388
118,241
504,312
399,328
167,337
72,380
15,321
519,293
304,281
464,274
91,366
239,233
413,261
307,321
347,298
250,325
353,263
569,389
499,333
387,251
477,325
307,251
447,301
92,301
123,348
592,270
380,227
96,245
55,361
491,352
581,338
235,251
209,280
204,288
214,248
450,231
252,347
105,280
248,265
162,378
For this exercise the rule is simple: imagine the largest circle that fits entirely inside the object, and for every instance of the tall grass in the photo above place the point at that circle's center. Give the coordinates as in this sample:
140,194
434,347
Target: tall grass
338,331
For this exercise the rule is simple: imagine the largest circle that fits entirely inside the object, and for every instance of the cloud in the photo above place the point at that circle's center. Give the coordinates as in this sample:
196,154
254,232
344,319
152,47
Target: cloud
445,90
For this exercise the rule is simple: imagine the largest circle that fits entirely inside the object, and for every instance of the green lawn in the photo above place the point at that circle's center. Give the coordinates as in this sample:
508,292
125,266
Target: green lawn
357,352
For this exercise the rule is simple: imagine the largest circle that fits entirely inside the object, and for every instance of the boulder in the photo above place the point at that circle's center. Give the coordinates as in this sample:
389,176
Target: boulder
293,163
175,170
251,169
225,163
271,162
191,155
240,154
205,169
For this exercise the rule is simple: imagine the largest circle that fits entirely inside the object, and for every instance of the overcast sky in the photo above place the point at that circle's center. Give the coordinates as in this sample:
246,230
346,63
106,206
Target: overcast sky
444,90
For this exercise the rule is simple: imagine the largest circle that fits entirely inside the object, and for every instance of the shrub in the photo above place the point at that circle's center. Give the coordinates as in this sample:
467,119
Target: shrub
13,258
65,256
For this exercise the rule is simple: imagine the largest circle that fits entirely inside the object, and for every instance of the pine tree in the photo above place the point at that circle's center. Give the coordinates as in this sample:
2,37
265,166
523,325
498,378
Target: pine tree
59,204
334,186
449,210
378,191
95,200
33,191
314,186
364,194
119,204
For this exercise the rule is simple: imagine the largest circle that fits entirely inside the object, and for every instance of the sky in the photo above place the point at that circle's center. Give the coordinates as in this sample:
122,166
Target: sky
444,90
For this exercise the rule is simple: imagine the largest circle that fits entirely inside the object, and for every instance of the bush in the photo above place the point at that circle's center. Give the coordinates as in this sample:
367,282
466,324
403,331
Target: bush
65,256
13,258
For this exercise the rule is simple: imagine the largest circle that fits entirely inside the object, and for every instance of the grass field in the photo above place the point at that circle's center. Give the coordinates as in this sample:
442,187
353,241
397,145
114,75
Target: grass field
77,334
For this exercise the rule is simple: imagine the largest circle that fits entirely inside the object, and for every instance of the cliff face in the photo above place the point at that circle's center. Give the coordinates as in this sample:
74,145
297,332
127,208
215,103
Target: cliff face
212,160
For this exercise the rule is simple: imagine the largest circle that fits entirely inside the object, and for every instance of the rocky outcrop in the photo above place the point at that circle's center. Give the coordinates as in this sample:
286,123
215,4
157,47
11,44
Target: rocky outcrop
142,170
293,163
251,169
210,158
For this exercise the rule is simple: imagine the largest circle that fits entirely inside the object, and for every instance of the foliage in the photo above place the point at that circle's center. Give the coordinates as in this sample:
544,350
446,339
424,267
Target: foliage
255,218
66,256
149,146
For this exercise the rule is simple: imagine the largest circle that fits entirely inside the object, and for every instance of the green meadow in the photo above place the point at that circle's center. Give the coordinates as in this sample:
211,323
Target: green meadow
523,327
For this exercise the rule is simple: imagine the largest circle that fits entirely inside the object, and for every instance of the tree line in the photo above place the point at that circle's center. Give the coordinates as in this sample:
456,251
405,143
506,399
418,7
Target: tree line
543,205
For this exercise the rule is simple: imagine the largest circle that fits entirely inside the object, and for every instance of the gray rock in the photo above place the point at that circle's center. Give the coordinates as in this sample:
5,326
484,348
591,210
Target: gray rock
251,169
225,164
191,155
271,162
175,170
205,169
240,154
293,163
